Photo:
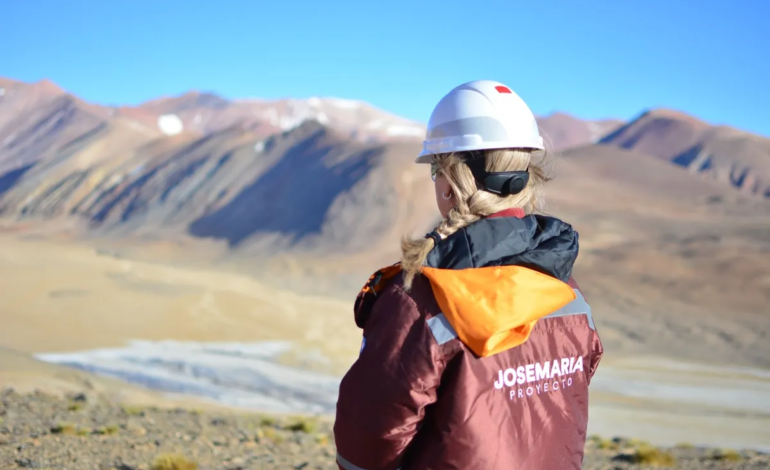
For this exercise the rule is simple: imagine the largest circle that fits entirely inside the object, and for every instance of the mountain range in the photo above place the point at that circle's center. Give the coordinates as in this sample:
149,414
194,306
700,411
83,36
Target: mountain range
202,164
315,175
319,174
313,194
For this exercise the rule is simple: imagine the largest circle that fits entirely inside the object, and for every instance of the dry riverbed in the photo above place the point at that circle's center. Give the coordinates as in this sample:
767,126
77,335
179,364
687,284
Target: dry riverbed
81,431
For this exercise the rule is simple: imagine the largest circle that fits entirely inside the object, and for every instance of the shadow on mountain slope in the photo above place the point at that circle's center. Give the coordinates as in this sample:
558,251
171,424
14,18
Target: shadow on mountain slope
304,184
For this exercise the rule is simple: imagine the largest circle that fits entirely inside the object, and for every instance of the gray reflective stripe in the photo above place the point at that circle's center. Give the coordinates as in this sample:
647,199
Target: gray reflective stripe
441,329
489,128
579,306
349,466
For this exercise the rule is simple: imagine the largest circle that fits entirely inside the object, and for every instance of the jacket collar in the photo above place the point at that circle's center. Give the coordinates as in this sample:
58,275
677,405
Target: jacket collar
512,212
545,244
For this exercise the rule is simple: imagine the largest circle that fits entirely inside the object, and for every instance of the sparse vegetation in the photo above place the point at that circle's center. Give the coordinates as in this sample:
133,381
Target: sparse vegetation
727,454
267,421
132,410
684,445
272,434
108,430
638,443
604,444
649,455
75,407
173,462
306,425
64,428
84,432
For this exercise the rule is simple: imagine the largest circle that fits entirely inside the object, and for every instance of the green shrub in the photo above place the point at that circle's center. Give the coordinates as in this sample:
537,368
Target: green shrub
75,407
267,421
133,410
604,444
727,454
305,425
108,430
173,462
653,456
64,428
638,443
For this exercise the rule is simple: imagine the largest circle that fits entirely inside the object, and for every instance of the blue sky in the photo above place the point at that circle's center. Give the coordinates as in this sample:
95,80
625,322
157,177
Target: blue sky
593,59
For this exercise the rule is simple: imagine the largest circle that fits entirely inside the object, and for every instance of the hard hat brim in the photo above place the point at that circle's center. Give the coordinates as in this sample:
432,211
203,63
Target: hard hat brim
427,156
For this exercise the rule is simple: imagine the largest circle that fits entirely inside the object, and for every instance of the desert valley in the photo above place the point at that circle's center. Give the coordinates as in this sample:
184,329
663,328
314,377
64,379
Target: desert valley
200,251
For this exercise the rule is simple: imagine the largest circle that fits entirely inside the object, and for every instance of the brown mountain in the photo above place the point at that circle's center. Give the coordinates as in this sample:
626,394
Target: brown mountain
117,173
562,131
720,153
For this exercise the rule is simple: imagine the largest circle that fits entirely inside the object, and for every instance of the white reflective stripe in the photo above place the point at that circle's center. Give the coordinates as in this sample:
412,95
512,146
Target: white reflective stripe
349,466
441,329
579,306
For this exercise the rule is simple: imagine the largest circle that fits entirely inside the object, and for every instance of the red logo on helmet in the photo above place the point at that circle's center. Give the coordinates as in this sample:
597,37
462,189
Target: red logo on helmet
503,89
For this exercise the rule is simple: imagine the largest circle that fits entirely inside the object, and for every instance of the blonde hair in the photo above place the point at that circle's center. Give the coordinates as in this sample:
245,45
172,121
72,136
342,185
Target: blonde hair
472,204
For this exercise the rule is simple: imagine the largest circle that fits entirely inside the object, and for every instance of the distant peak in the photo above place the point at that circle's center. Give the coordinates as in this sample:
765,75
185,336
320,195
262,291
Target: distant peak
667,113
48,86
557,114
187,100
562,116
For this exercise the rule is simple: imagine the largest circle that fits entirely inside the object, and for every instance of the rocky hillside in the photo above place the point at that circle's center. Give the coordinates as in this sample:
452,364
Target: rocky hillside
116,172
720,153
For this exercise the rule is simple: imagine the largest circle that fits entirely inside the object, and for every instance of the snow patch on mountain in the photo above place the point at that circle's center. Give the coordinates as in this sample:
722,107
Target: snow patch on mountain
596,131
407,131
170,124
344,104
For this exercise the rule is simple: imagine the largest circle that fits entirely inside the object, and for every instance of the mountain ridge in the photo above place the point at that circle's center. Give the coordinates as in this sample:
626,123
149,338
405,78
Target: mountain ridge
722,153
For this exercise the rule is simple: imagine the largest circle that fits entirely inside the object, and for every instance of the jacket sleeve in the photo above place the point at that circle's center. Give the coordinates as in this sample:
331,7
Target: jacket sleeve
597,352
384,395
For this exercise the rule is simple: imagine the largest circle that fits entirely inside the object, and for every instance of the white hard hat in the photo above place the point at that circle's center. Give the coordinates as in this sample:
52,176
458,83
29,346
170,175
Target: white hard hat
480,115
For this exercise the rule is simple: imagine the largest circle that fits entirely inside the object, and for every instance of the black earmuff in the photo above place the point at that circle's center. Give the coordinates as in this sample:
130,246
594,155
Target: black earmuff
506,182
503,183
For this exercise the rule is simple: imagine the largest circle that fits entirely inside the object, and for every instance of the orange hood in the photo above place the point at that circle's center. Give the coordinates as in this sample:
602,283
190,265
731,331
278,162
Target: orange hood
494,308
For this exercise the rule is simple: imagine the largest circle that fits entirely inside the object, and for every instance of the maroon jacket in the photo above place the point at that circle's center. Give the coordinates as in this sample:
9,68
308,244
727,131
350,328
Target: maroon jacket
483,364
